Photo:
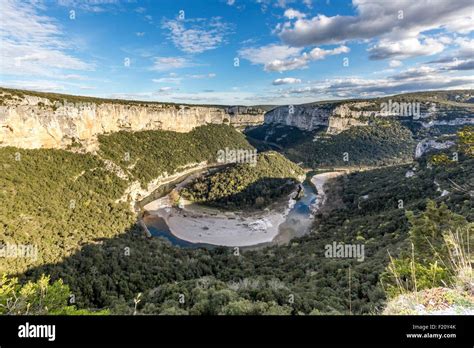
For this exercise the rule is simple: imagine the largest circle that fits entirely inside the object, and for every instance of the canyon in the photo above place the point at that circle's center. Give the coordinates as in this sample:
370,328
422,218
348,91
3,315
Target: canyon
43,120
38,121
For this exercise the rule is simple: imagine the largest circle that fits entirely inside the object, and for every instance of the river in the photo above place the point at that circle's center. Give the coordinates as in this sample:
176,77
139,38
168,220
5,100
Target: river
195,226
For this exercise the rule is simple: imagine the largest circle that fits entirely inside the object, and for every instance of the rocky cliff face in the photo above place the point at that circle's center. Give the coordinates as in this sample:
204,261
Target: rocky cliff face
32,121
337,117
427,110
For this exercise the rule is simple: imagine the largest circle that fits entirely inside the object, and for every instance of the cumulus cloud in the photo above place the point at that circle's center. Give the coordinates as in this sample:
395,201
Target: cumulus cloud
391,20
395,63
286,81
197,35
264,54
407,48
284,58
412,79
465,49
464,65
318,53
291,14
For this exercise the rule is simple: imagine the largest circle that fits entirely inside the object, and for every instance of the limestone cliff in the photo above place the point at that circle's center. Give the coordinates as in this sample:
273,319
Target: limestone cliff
36,120
425,108
335,116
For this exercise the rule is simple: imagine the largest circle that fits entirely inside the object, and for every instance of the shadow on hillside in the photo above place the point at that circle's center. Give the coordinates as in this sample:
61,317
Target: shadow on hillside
107,269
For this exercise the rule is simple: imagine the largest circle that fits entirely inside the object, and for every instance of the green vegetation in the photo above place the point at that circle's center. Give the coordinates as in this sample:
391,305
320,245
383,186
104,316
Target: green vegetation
103,276
146,155
38,298
106,262
440,243
382,143
208,296
245,185
466,140
56,201
267,135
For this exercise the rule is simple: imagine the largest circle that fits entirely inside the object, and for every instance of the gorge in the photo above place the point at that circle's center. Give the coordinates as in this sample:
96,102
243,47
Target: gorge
76,189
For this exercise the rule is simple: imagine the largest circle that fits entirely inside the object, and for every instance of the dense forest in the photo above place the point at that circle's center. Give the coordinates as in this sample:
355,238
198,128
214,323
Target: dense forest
265,136
58,201
212,281
244,185
146,155
66,203
383,142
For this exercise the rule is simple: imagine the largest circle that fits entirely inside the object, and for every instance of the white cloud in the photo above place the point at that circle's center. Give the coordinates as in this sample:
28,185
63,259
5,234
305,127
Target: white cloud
265,54
407,48
90,5
285,58
36,85
318,53
413,79
168,63
197,35
176,80
32,44
380,18
292,14
286,81
202,76
202,97
395,63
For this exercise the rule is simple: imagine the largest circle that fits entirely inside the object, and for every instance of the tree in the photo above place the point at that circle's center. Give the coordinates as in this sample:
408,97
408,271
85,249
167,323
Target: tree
38,297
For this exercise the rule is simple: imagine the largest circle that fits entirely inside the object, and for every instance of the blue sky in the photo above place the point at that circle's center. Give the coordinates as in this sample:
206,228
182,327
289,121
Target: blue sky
235,51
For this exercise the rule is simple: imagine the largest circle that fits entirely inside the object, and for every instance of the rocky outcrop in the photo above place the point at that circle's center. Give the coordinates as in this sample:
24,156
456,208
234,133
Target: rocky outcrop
428,144
31,121
337,117
300,116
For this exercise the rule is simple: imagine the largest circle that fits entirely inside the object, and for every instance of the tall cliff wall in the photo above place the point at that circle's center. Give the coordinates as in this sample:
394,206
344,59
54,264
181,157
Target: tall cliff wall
336,117
425,108
32,121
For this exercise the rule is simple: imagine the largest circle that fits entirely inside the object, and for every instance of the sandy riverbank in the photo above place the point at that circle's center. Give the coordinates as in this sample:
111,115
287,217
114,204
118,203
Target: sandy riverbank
196,224
319,180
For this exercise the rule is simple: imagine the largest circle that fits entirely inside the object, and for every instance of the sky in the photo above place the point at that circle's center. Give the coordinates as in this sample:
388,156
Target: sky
236,52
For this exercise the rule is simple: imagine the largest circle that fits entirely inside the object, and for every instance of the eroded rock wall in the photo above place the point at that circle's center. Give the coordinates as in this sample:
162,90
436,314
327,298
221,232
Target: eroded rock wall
336,117
35,122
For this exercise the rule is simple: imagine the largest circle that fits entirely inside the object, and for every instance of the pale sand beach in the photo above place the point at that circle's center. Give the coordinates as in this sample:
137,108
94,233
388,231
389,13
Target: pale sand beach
319,180
198,224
